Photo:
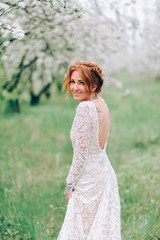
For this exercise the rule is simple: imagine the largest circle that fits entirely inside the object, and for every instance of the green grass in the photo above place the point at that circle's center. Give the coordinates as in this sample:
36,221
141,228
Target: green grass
36,153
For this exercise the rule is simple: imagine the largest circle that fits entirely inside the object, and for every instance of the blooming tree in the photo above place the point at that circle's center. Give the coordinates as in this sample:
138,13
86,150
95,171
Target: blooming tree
41,38
39,50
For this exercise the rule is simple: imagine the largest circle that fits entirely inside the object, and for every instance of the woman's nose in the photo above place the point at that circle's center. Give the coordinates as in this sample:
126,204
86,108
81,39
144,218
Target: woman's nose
76,86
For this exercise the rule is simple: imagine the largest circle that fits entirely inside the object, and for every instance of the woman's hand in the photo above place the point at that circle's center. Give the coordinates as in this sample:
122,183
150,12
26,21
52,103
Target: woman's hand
68,194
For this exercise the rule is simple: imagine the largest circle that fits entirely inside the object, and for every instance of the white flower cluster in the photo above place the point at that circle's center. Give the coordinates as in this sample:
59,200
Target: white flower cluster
7,28
21,4
17,32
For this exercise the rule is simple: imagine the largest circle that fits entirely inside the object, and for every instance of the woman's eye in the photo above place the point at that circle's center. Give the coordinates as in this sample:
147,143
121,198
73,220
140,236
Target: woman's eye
82,83
71,81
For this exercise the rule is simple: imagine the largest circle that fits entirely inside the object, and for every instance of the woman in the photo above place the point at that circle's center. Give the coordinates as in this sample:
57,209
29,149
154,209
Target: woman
93,211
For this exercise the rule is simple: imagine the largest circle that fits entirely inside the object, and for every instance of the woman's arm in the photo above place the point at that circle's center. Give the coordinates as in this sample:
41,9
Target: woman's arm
83,123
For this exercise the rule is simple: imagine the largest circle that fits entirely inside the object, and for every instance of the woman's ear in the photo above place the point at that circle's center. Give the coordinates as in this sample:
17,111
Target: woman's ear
94,88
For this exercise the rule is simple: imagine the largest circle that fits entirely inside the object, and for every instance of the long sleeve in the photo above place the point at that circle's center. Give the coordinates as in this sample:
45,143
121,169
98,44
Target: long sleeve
83,135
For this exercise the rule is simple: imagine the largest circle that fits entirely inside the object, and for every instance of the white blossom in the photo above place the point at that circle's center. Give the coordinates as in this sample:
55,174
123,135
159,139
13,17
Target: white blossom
18,32
2,30
6,43
8,26
3,6
126,93
21,4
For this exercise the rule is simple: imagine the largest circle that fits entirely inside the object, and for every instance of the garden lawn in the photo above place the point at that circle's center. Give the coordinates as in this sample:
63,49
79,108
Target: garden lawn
36,153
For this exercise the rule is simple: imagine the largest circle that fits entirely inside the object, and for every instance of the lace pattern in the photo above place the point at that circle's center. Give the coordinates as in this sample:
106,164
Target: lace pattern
93,211
80,143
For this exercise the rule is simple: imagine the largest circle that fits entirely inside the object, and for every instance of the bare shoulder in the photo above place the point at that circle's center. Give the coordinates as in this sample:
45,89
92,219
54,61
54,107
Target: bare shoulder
101,105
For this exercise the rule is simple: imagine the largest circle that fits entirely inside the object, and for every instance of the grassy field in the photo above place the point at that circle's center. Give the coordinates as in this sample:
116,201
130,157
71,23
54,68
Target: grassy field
36,153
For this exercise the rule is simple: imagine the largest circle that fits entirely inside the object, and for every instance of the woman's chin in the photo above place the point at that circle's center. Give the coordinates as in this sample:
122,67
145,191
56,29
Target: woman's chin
77,98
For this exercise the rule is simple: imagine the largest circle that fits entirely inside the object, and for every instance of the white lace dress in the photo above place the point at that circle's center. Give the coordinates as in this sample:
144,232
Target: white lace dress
93,211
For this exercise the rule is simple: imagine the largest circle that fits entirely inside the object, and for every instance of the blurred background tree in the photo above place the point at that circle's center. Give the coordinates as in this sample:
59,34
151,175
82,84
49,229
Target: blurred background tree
40,39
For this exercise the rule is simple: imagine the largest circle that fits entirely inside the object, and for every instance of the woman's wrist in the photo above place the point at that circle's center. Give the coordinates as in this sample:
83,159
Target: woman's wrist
68,187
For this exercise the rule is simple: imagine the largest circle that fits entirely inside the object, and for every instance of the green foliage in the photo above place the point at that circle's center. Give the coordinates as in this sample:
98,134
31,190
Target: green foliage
36,154
59,82
157,78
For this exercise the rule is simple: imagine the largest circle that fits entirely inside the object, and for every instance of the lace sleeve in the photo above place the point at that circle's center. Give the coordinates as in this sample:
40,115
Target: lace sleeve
83,134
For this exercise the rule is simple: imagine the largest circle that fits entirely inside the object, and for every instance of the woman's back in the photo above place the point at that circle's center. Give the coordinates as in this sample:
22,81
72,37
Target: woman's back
103,120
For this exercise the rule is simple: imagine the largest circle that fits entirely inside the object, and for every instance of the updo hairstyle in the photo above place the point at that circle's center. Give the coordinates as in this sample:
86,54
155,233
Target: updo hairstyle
90,73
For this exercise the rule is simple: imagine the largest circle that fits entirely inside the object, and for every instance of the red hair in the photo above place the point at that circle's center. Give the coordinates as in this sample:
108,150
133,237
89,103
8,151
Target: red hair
91,75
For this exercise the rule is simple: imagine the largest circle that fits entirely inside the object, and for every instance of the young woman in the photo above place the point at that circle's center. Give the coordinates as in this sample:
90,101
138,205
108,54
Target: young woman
93,211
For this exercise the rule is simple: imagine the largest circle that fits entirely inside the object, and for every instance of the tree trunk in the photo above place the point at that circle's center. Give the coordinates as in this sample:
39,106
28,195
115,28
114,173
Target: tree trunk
47,93
14,105
34,99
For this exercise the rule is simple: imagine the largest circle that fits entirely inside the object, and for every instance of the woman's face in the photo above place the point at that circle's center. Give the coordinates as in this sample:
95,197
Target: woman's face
78,88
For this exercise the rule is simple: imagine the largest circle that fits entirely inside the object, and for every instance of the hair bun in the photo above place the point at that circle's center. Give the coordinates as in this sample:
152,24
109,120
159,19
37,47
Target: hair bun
98,71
